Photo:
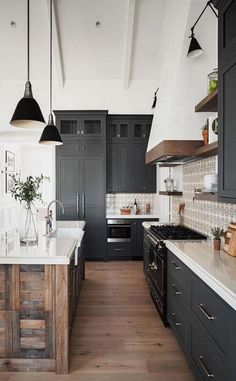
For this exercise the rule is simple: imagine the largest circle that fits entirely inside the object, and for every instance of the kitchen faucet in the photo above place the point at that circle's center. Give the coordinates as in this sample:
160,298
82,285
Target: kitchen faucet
49,216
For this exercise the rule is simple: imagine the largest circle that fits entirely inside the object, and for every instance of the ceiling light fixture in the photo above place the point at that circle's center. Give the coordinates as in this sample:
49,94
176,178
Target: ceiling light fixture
195,49
155,98
50,134
27,113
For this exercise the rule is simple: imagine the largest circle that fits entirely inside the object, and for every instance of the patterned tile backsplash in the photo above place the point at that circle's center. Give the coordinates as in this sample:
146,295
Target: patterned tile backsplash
201,215
118,200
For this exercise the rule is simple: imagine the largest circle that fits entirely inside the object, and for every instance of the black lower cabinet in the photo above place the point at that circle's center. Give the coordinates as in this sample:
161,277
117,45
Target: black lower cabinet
202,322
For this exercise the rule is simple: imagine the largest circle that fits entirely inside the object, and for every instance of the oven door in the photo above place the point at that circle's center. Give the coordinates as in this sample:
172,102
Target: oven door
118,233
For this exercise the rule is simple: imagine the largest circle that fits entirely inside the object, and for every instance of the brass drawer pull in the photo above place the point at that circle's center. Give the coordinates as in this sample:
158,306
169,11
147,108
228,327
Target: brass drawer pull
201,308
208,374
175,266
177,292
177,324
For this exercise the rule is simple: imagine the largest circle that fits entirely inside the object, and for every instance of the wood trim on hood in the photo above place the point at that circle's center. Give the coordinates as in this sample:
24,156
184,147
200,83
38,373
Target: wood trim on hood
174,149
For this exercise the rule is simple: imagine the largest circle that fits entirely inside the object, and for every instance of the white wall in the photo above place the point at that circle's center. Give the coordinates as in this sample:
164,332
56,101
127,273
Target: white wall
80,95
183,81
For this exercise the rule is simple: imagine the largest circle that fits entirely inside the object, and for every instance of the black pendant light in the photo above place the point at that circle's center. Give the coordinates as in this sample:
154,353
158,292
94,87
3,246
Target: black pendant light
50,134
27,113
195,49
155,98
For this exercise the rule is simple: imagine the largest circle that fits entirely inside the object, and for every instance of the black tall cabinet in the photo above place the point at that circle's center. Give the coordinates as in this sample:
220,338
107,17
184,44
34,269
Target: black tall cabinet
226,99
81,174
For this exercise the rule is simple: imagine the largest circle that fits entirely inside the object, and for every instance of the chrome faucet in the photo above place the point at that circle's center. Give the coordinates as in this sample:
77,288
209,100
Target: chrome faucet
49,215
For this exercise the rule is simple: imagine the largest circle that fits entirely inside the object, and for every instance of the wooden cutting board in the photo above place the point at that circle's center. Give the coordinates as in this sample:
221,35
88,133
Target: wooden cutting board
230,240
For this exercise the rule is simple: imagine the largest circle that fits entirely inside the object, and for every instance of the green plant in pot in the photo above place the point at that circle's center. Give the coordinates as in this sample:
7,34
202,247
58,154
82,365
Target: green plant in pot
217,233
27,192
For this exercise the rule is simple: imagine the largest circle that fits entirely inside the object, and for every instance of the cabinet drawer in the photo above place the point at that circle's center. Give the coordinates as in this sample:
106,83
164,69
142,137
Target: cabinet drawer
214,314
176,291
206,357
177,269
119,250
69,147
177,319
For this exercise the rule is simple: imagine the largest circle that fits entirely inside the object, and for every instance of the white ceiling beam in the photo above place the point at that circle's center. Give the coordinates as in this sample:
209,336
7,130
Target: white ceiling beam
57,51
128,43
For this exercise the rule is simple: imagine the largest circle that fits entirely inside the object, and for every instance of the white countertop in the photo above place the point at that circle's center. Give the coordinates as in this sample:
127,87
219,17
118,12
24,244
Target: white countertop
125,216
216,268
55,250
71,224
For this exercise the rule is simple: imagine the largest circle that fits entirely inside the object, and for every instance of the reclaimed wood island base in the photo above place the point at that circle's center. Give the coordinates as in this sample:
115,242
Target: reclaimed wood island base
37,309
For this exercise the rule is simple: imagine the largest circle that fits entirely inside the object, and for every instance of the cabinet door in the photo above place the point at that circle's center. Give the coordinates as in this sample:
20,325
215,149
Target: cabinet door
227,132
138,170
151,182
68,126
124,170
113,168
118,130
68,180
227,31
92,126
93,206
141,129
137,238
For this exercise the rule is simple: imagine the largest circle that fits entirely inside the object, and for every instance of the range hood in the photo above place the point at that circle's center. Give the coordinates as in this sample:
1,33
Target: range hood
173,151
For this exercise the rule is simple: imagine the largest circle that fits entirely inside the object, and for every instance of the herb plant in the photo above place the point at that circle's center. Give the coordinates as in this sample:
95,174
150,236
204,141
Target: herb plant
27,190
217,232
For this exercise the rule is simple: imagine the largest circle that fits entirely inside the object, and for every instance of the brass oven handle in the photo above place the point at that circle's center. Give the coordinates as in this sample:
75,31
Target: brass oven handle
201,308
177,323
175,266
177,292
208,374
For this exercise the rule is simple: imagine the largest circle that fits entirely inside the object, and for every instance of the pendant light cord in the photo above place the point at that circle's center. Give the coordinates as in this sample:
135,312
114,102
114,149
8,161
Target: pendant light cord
28,40
50,47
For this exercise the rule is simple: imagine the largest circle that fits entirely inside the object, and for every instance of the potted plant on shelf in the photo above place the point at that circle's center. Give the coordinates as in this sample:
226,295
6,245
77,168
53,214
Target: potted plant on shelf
27,192
205,134
217,234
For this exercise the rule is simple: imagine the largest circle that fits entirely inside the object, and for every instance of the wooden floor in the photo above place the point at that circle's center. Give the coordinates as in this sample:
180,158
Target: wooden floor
118,335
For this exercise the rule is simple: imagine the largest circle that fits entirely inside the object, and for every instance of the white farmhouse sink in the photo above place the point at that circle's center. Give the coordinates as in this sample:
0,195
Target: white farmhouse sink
66,233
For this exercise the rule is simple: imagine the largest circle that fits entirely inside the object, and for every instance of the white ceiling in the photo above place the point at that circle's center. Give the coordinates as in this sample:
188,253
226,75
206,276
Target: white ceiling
87,52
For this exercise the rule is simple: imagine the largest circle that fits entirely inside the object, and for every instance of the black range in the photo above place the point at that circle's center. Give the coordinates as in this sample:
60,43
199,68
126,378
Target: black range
155,259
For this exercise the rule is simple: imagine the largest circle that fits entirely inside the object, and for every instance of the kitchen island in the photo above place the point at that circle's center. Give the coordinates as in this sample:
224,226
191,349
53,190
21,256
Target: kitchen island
39,291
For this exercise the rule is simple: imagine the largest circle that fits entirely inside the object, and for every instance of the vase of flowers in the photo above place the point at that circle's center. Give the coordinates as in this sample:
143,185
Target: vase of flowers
27,192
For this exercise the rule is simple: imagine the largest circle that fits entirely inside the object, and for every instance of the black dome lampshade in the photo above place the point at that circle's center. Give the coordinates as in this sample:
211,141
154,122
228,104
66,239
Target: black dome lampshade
195,49
27,113
50,134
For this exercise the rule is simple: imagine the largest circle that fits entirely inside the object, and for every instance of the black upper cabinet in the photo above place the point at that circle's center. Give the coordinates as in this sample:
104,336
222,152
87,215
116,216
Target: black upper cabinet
127,138
82,132
226,99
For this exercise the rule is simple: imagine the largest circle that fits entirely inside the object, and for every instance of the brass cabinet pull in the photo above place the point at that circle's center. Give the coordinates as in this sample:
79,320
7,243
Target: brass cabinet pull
208,374
202,309
177,292
175,266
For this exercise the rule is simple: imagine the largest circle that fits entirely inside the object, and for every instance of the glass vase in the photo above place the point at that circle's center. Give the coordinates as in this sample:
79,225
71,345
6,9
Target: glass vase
29,225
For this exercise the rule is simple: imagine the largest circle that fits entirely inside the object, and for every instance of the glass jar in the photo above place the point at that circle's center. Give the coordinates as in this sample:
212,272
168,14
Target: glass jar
212,81
169,183
28,225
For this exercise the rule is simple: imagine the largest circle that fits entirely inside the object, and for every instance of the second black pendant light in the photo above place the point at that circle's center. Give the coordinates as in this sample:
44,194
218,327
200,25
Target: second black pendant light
27,113
50,134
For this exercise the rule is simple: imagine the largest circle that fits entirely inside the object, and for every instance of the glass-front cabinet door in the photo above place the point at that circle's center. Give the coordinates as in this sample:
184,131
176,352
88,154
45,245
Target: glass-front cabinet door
91,127
141,130
68,126
118,130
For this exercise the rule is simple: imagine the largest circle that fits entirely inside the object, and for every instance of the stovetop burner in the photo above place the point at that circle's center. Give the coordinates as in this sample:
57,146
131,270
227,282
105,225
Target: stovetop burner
176,232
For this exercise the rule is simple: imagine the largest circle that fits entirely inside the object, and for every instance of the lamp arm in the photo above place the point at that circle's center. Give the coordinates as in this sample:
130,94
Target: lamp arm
207,5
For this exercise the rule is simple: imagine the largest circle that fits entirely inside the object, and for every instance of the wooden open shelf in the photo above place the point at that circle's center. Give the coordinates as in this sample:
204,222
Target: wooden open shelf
206,197
208,150
164,193
209,103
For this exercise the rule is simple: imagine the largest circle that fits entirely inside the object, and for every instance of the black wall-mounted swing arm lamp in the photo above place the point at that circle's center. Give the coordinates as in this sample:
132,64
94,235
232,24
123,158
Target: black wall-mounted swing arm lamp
195,49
